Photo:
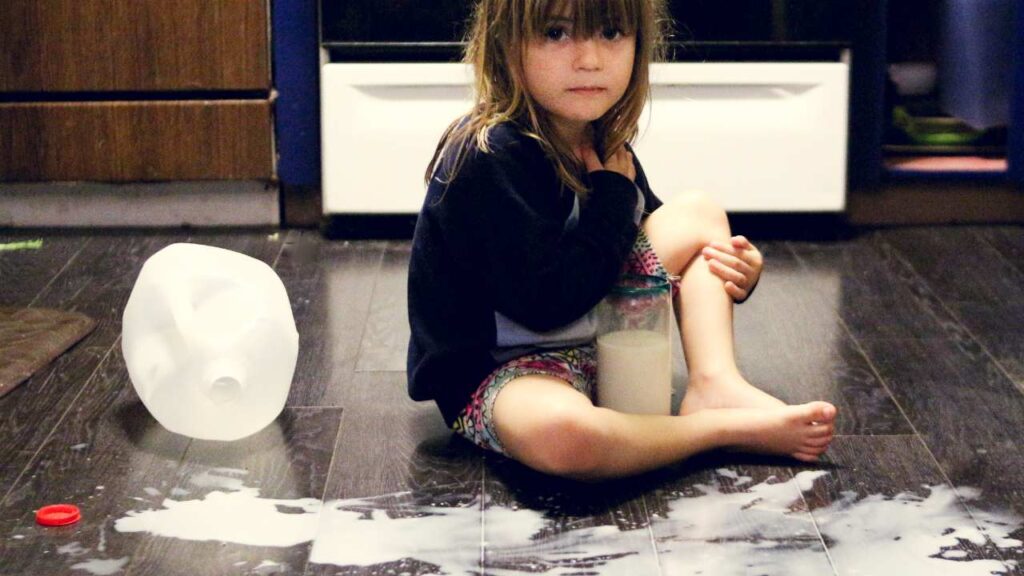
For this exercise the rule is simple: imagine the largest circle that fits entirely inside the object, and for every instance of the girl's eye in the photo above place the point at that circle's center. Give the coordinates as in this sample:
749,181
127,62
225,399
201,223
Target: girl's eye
611,33
556,33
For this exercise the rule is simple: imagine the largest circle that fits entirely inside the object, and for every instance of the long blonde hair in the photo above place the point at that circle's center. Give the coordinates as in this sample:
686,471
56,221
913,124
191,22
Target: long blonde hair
495,47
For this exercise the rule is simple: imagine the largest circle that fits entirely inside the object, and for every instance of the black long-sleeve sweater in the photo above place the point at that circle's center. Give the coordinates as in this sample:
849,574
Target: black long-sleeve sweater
494,243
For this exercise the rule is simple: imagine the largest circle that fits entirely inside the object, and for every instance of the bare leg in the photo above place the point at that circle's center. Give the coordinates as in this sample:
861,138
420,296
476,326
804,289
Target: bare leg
550,427
677,232
705,315
547,425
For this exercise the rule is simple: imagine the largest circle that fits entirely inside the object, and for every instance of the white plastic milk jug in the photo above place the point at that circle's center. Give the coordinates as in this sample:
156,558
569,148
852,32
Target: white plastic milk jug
209,341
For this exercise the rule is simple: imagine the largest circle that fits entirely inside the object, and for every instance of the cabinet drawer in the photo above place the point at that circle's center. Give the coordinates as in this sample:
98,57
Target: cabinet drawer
758,137
133,45
762,137
380,125
136,141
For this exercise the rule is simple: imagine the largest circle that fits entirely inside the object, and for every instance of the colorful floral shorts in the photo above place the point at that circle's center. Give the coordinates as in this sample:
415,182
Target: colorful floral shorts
577,366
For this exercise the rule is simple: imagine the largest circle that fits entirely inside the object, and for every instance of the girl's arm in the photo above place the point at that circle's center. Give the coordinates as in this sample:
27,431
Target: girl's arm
540,274
737,262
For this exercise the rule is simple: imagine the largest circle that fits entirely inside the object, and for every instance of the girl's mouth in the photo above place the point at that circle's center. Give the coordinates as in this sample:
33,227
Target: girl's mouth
587,90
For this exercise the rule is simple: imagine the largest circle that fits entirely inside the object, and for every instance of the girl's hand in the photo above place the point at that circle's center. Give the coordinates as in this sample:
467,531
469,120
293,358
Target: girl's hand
621,161
739,263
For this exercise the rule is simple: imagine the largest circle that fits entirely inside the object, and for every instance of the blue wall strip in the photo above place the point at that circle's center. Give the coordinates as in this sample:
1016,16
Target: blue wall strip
1015,147
867,96
296,57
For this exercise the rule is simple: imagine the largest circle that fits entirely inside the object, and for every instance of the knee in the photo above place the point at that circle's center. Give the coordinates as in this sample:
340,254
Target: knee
698,207
680,228
567,443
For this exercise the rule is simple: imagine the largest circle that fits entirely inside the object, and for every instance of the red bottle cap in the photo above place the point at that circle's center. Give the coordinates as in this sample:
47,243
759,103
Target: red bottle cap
58,515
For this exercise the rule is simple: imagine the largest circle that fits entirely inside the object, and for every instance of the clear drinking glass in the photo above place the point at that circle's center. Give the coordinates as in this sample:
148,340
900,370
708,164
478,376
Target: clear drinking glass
634,360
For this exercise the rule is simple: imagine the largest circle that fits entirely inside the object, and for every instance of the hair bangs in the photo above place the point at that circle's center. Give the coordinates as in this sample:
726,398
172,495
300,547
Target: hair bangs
589,17
495,46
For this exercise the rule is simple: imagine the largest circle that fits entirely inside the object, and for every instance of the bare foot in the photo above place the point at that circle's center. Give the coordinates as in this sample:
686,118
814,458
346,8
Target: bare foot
803,431
727,391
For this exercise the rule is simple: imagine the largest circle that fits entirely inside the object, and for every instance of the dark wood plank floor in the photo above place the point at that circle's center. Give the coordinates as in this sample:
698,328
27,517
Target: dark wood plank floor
916,334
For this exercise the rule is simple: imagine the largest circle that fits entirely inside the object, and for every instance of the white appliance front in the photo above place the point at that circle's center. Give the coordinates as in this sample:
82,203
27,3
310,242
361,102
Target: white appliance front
758,137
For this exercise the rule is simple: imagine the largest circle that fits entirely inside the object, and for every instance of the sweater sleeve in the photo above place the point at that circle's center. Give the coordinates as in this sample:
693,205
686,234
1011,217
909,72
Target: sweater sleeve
651,200
541,275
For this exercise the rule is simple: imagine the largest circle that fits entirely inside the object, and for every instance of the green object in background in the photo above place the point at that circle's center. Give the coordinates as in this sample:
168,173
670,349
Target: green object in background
934,130
26,245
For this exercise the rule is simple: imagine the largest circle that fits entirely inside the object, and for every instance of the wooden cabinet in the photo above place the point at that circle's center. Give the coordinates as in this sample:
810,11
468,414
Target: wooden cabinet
137,141
135,90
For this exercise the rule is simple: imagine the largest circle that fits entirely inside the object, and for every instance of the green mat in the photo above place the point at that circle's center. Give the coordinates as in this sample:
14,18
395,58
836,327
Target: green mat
31,338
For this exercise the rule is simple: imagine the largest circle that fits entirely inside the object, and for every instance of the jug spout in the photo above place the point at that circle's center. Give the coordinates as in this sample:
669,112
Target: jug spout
224,381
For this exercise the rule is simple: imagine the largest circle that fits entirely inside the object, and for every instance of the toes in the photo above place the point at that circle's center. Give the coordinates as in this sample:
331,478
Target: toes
811,452
805,413
824,413
818,442
817,413
821,430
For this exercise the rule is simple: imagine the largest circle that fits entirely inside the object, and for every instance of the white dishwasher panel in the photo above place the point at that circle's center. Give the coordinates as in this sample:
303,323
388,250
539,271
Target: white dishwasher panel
758,137
380,125
762,137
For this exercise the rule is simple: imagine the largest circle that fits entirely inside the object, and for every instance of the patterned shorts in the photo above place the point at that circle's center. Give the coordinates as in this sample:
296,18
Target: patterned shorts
577,366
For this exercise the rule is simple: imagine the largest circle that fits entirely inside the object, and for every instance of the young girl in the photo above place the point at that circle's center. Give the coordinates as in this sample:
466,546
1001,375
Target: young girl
535,206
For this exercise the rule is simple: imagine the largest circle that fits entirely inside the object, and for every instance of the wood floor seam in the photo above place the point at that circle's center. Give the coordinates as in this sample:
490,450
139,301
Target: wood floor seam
954,314
71,405
327,483
964,502
987,240
877,435
377,371
53,278
368,310
888,389
650,532
280,251
860,349
817,529
483,518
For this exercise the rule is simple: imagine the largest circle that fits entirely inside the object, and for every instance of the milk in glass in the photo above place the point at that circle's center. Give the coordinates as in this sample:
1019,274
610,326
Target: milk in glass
634,371
634,360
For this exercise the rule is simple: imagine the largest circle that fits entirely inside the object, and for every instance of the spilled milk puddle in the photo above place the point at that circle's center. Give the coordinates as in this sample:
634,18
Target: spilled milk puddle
749,528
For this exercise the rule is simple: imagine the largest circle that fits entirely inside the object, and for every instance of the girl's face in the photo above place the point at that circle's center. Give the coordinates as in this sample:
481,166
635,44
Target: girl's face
576,80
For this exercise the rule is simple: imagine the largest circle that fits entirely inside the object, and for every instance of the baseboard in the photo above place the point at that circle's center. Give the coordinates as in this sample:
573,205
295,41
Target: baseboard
894,204
764,226
936,202
368,226
808,226
161,204
301,206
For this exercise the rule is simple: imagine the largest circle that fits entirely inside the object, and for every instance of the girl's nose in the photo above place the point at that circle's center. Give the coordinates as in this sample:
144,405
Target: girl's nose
587,55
